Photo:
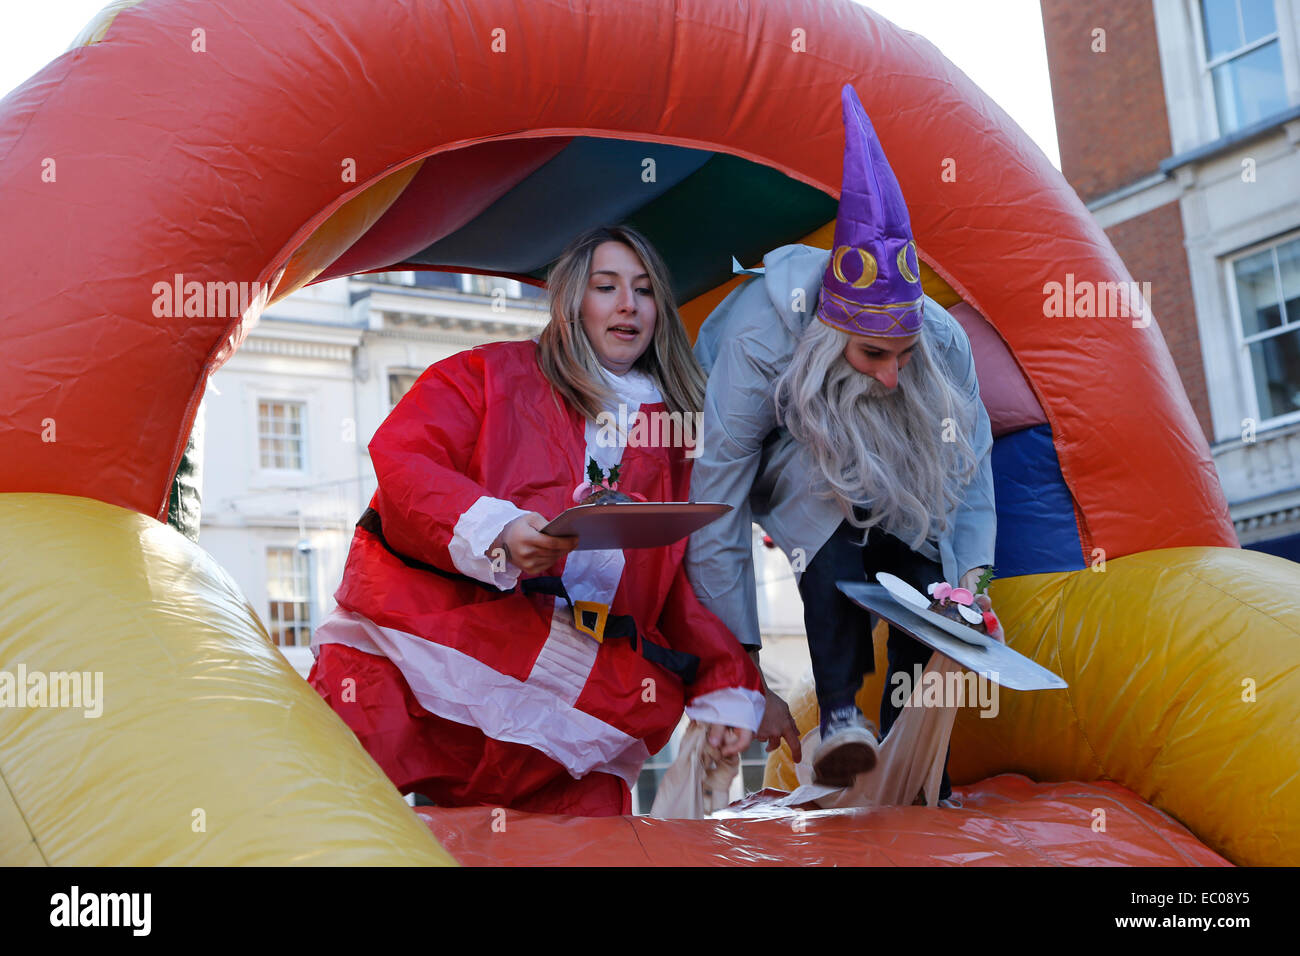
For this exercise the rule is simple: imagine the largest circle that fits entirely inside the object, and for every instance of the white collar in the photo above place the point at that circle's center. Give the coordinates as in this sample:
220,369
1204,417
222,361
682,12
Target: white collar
632,388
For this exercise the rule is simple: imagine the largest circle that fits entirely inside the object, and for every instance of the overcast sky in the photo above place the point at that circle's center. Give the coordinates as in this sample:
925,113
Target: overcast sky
997,43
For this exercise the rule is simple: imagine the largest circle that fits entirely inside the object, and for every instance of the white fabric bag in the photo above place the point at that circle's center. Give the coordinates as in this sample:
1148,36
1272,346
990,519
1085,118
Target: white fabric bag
699,780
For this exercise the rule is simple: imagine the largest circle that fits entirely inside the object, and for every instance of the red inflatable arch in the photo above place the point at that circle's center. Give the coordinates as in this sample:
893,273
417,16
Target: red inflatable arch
216,141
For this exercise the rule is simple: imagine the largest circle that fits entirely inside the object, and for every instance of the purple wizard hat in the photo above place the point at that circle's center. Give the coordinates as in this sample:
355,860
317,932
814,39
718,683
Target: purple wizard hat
872,285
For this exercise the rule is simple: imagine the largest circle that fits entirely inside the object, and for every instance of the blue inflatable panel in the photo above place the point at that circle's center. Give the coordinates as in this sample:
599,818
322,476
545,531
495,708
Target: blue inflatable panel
1287,546
1036,526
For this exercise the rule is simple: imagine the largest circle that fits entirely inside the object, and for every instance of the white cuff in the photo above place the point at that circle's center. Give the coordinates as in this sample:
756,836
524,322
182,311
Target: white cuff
473,535
730,706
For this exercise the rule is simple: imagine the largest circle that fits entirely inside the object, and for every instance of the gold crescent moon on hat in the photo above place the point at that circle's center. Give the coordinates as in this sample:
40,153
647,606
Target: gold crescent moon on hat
869,268
905,268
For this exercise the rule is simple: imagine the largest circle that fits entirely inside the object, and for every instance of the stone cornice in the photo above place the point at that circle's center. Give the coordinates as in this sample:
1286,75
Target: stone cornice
228,520
1286,520
296,348
458,336
491,326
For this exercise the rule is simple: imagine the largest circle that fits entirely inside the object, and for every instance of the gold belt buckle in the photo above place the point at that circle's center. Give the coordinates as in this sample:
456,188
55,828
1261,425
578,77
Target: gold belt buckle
601,612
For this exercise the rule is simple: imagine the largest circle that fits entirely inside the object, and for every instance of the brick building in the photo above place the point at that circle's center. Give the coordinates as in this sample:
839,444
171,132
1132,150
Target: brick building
1178,122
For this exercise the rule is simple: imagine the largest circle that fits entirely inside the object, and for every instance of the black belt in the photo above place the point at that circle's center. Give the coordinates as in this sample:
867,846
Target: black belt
616,626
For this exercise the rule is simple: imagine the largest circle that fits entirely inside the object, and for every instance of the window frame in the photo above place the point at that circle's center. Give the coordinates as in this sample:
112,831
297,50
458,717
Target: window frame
295,554
1207,66
304,450
389,372
1245,369
491,282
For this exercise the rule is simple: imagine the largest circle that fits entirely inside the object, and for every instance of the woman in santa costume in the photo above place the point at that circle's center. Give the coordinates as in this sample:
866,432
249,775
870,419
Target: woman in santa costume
454,653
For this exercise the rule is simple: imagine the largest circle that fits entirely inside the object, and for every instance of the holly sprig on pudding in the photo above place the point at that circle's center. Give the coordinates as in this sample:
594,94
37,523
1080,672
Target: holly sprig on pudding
600,488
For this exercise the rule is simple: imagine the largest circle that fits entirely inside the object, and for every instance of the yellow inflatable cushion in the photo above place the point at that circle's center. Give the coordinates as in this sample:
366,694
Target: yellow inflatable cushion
192,740
1184,672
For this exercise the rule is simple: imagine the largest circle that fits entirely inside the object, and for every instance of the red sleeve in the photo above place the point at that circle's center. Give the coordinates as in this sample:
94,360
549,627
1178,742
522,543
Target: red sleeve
421,454
691,627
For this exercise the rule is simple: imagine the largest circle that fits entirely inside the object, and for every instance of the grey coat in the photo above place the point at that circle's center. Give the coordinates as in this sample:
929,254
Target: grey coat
749,462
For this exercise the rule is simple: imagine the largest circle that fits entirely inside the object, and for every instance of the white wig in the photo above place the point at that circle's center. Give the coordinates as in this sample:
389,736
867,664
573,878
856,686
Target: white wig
902,453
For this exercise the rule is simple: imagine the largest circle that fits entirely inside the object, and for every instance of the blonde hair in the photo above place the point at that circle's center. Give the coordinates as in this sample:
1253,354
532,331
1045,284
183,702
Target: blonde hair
877,448
565,354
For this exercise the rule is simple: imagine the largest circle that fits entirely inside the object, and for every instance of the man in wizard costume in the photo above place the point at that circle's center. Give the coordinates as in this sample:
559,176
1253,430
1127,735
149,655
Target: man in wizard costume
843,415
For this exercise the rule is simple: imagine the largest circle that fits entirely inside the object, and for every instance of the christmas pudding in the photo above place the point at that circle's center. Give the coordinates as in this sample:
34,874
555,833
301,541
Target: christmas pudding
958,604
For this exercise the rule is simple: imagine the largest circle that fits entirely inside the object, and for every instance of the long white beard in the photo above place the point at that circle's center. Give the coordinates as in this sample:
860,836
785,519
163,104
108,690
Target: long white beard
878,448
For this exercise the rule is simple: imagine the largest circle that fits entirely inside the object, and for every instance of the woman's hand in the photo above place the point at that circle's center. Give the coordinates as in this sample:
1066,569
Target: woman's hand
527,548
971,578
728,741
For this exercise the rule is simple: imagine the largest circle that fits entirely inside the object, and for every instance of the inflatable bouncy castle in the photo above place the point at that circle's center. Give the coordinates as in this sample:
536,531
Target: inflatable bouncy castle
281,142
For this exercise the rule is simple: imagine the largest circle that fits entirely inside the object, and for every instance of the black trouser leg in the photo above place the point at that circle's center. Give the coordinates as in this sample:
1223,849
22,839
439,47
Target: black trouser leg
839,632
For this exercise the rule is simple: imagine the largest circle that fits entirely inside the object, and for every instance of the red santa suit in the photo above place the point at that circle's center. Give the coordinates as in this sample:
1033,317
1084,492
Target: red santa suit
465,687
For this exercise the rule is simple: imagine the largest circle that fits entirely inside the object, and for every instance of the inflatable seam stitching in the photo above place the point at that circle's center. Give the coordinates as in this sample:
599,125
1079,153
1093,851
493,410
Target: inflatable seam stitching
9,791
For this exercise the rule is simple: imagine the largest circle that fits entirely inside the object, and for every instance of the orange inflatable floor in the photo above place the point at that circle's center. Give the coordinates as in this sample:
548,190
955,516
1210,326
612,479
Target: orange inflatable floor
1004,821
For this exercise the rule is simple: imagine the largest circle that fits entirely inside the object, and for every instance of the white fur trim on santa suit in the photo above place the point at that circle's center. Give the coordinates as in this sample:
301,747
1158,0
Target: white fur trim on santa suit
534,712
566,659
732,706
473,535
